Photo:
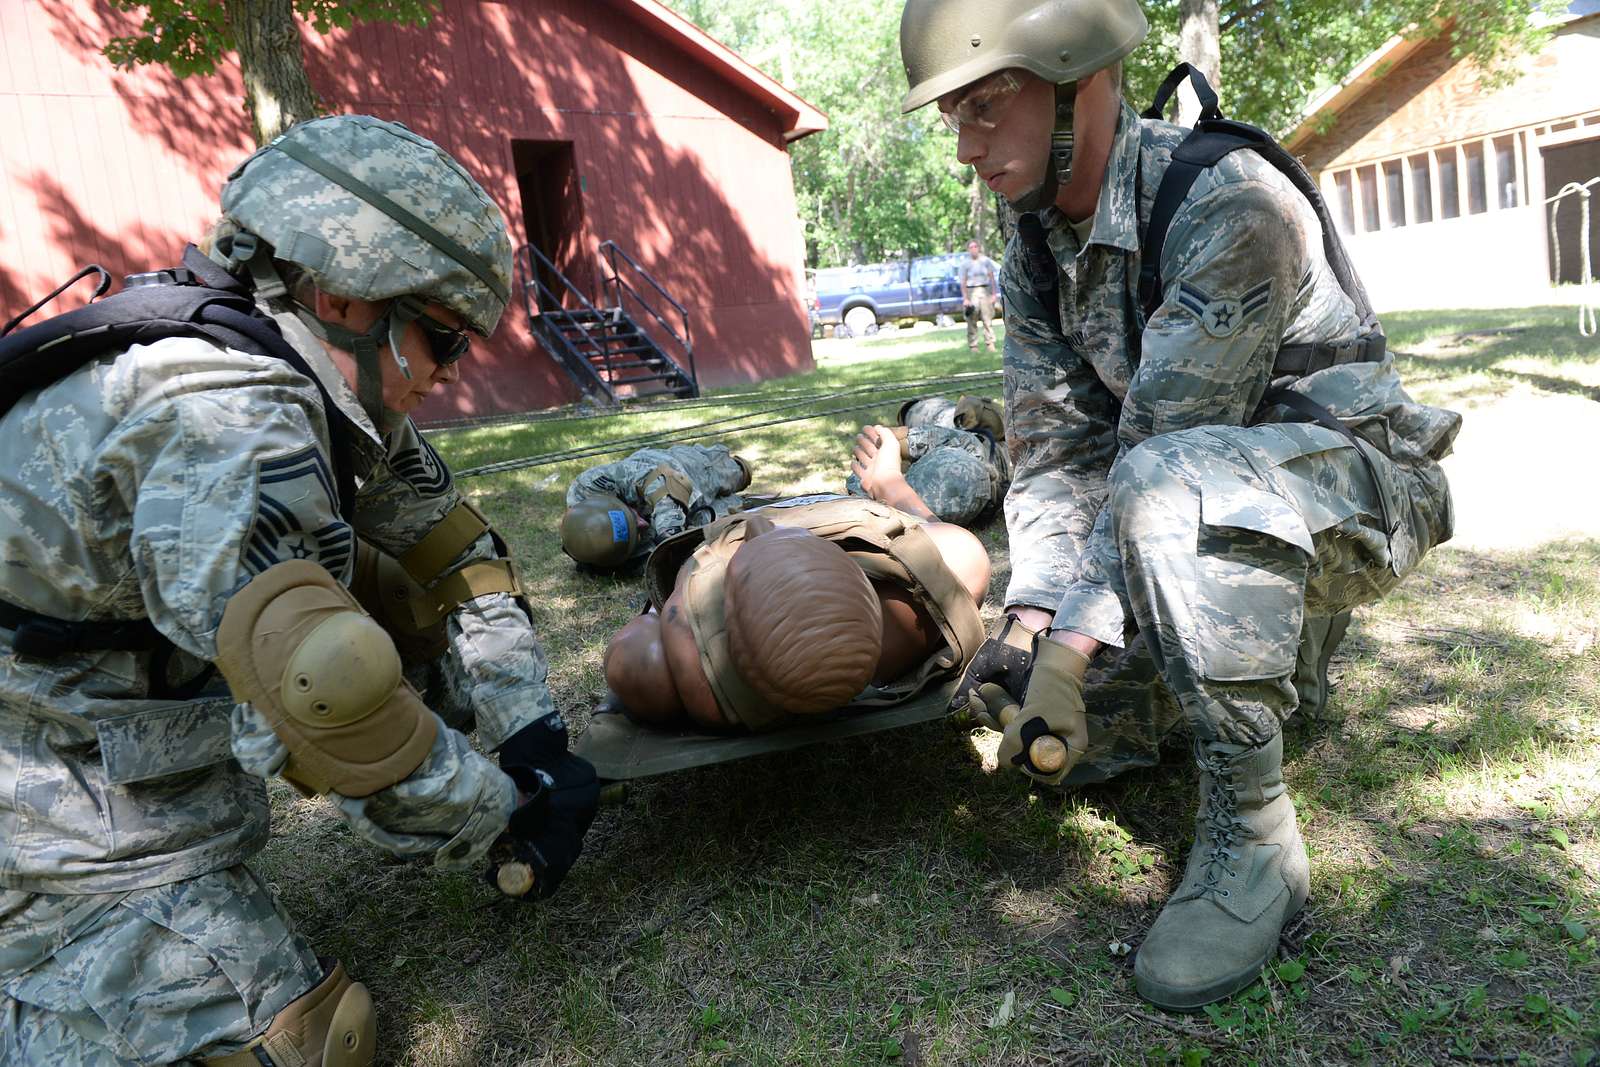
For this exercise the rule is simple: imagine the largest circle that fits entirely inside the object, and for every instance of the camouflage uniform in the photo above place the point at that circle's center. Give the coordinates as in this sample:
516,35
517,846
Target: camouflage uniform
713,476
961,476
1150,496
157,484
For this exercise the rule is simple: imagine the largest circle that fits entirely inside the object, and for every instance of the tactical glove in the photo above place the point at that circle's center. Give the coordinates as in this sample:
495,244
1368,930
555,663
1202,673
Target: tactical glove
1004,659
1048,734
545,835
977,414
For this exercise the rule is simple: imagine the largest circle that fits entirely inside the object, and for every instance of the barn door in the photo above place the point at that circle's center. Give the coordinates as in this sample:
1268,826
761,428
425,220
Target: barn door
552,211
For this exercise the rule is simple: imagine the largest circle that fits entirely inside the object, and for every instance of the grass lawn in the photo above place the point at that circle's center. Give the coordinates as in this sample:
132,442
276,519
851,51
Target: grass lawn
896,901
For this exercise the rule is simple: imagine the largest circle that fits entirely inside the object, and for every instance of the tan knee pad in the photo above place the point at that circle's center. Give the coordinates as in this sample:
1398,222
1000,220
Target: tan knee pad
294,643
333,1025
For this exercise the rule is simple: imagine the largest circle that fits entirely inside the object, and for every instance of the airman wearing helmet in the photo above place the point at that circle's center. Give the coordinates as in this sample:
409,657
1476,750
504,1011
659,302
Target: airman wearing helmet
955,460
1155,491
619,511
203,508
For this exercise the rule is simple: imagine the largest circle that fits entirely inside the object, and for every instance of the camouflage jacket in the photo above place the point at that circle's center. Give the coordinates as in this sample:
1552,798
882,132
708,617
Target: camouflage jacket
1244,273
155,485
713,478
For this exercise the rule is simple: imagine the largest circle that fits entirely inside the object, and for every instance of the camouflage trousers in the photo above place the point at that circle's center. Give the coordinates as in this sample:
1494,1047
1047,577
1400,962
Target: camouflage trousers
959,475
979,312
1230,539
151,976
1131,710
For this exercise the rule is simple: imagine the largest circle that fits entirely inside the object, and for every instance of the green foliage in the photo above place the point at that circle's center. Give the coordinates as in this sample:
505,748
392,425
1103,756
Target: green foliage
193,36
877,183
1277,56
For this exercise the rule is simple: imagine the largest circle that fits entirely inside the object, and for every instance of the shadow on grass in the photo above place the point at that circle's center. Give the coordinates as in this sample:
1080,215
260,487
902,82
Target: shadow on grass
811,907
1435,346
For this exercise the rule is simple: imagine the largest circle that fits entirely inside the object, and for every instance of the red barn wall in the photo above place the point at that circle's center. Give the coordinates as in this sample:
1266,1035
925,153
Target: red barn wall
675,163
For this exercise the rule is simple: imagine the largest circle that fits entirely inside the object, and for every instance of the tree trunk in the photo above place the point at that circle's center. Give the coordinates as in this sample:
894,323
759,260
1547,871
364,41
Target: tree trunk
276,88
1199,45
980,214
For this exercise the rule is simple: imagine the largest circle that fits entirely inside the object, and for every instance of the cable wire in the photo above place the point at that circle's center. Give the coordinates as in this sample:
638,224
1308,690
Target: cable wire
955,383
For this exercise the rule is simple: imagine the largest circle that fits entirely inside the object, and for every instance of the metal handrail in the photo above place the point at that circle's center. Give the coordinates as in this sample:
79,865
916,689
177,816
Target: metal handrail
610,249
526,255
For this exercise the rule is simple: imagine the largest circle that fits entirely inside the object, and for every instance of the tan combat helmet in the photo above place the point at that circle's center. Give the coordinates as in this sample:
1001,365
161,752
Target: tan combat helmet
601,531
948,44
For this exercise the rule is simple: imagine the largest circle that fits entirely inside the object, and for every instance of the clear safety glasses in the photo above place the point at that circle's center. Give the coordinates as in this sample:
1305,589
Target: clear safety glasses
982,104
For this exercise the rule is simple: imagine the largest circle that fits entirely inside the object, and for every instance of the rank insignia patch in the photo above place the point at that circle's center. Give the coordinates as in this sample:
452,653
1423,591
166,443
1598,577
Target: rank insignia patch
1223,316
297,516
422,469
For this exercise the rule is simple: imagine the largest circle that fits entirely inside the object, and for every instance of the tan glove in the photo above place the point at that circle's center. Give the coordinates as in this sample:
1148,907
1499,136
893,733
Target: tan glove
979,414
1049,733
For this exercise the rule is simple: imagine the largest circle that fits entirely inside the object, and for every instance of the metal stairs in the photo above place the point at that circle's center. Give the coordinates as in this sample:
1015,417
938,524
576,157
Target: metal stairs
624,348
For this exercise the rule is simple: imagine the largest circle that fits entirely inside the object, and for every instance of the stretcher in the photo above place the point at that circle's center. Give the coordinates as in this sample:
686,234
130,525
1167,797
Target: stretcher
623,751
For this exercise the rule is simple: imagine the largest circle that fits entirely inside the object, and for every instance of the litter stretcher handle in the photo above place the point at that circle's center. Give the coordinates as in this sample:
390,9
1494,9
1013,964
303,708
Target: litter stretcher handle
1048,752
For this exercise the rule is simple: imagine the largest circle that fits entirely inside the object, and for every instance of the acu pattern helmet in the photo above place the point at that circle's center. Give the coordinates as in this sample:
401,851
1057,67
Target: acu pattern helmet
374,212
601,531
947,44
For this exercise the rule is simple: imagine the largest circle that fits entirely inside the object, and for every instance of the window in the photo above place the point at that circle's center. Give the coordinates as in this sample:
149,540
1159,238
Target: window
1449,183
1477,179
1369,198
1505,169
1421,188
1344,201
1394,190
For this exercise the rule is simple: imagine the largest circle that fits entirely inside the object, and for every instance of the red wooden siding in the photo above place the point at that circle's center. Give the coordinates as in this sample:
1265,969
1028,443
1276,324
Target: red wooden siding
677,163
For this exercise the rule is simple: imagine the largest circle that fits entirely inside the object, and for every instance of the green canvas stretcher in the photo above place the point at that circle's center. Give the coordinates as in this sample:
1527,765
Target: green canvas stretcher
621,750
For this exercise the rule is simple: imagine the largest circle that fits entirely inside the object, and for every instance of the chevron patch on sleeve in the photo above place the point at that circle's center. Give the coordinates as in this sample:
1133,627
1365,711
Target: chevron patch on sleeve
422,469
296,516
1222,316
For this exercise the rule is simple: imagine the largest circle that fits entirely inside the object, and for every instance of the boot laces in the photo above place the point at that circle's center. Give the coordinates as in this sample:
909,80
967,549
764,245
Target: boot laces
1222,821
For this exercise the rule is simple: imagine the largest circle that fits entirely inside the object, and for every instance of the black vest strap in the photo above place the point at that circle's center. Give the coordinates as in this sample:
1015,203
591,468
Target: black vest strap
1213,138
198,299
1044,277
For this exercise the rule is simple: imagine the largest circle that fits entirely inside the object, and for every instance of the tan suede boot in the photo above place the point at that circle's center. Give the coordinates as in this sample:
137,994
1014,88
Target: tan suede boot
1247,876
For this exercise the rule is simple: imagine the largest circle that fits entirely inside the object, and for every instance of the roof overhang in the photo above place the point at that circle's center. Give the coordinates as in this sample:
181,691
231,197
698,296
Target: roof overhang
1336,98
799,118
1385,58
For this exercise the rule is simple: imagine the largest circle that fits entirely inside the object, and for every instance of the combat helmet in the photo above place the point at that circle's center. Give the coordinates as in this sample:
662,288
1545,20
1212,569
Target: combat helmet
948,44
374,212
601,531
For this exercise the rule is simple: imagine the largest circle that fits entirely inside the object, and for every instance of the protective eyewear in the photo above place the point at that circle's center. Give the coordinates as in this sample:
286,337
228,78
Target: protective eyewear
984,104
447,343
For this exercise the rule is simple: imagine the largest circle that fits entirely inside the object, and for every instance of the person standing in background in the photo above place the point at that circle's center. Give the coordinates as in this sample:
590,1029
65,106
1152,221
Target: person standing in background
979,283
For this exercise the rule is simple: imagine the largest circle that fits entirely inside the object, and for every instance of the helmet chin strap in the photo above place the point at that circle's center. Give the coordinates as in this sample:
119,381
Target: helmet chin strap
245,252
1058,164
388,329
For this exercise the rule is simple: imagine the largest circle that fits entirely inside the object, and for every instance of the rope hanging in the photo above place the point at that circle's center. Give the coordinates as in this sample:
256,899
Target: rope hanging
1588,309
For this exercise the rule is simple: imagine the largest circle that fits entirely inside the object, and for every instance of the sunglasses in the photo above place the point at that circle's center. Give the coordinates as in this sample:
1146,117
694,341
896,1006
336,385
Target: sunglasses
447,343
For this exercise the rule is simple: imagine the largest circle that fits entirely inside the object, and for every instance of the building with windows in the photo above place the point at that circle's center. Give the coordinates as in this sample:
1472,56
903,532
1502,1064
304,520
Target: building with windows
588,121
1439,179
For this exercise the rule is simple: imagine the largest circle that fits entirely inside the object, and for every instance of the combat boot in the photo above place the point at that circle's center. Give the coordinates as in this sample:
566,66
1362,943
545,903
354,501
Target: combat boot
1247,875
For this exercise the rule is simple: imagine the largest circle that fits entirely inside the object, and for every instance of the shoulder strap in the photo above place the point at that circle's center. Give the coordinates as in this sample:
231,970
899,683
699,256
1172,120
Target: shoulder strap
198,299
1213,138
1039,264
